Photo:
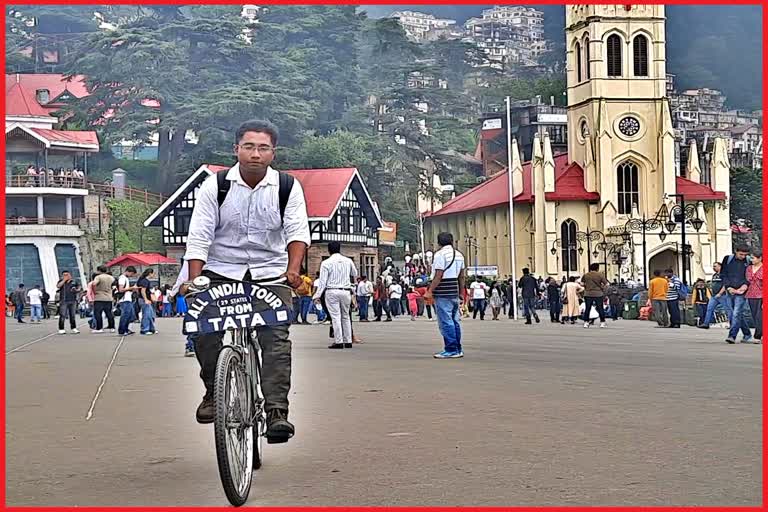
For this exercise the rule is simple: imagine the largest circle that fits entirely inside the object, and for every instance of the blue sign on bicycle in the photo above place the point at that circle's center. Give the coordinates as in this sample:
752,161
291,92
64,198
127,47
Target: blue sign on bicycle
235,306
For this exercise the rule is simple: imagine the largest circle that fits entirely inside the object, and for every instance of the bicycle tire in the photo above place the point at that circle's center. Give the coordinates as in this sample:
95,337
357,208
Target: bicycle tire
228,367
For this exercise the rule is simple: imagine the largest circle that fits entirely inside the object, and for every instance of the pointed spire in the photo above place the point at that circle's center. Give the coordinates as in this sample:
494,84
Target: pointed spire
537,154
720,168
517,170
549,165
693,169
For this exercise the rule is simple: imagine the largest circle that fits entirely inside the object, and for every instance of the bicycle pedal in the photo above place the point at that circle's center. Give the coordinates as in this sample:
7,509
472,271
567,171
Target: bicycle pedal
278,439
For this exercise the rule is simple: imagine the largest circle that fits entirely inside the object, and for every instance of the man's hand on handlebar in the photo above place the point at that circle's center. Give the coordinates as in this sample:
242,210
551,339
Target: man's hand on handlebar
294,279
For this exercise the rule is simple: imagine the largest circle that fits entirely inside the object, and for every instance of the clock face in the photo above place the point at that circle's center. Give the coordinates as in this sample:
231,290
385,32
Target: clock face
629,126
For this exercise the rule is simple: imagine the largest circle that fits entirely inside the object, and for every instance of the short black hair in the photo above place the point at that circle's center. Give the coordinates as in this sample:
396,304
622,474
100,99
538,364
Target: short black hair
334,247
102,269
130,268
65,272
444,239
757,254
21,285
258,126
669,271
657,272
743,248
594,267
526,271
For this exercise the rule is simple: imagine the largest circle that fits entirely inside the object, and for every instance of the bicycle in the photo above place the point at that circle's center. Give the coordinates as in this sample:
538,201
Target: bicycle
239,415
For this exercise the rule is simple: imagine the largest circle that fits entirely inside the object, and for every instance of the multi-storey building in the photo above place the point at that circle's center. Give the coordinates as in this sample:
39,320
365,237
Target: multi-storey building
508,35
418,24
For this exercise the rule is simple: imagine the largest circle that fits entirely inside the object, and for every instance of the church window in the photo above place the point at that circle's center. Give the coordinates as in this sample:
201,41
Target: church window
586,57
640,53
568,244
614,55
628,187
578,62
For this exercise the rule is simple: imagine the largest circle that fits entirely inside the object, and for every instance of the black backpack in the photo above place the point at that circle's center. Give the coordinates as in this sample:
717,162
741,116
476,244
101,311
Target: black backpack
284,190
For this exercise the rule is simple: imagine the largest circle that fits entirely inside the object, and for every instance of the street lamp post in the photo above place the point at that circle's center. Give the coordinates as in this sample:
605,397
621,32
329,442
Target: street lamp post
644,226
680,213
590,236
471,242
571,245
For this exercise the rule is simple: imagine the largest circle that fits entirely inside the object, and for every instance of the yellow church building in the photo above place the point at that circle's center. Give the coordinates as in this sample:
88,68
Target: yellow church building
616,197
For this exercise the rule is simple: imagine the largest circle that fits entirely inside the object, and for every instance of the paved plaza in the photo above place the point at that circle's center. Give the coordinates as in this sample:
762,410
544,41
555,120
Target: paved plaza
533,415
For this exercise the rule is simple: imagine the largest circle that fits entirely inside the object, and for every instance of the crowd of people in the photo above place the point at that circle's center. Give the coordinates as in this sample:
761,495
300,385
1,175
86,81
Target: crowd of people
50,177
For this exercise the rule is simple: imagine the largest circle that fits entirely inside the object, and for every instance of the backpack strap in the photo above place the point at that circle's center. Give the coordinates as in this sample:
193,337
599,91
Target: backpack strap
224,184
284,192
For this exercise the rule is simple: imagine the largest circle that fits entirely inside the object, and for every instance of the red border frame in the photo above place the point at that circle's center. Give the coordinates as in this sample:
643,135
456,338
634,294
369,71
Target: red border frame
322,509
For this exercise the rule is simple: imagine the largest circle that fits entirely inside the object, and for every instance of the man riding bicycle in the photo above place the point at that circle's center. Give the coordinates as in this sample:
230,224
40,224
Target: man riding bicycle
239,232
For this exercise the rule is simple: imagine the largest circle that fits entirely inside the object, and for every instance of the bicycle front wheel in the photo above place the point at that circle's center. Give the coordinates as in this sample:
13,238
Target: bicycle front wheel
233,434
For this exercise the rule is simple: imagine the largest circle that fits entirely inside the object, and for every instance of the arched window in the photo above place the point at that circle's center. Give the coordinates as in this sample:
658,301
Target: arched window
569,245
586,57
614,55
640,54
627,177
578,63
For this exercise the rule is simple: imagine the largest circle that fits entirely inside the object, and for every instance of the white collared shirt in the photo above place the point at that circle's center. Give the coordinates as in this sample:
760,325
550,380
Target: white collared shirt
337,272
246,233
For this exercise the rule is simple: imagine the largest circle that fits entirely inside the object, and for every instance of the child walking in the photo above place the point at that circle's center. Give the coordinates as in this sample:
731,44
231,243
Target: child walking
413,303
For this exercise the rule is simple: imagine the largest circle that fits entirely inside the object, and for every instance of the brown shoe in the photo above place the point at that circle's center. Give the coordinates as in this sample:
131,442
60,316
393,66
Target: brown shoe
205,410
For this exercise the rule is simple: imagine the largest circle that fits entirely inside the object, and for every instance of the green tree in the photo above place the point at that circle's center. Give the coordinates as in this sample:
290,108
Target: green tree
127,228
747,197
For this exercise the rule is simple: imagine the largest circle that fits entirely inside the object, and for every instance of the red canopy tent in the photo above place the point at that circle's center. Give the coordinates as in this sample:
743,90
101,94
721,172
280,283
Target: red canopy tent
141,259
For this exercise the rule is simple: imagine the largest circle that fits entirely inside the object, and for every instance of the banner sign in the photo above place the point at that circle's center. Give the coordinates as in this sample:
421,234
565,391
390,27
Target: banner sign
233,306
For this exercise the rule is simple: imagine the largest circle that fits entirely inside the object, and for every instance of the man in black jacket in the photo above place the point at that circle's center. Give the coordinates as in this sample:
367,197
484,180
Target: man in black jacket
735,284
530,290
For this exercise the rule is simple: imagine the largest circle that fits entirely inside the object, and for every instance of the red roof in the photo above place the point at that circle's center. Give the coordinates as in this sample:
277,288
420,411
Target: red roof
20,101
70,136
569,186
55,83
696,191
323,188
141,259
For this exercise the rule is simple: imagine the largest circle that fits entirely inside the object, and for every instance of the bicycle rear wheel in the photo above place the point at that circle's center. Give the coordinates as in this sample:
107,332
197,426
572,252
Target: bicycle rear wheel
234,437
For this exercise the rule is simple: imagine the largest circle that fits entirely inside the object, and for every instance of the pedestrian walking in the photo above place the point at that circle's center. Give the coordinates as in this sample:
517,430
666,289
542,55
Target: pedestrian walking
364,290
701,297
68,291
719,298
497,300
189,346
595,285
125,300
413,303
734,275
658,289
675,292
44,299
381,300
529,287
553,299
337,273
102,302
447,280
18,297
614,300
35,304
395,294
479,295
755,293
570,298
146,303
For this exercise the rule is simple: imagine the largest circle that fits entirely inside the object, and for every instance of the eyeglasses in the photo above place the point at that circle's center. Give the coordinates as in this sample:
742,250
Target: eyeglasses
261,148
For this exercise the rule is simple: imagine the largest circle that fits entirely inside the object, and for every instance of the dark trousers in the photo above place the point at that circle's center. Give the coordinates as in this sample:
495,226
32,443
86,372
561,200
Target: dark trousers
394,307
529,308
478,306
19,312
46,313
275,354
67,309
377,310
105,307
554,309
674,312
756,307
428,307
598,303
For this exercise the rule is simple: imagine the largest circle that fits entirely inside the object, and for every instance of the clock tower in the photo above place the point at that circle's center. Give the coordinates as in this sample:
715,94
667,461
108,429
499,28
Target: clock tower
619,122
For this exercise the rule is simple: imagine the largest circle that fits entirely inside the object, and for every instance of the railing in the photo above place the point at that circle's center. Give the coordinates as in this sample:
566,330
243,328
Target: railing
46,181
102,189
25,221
